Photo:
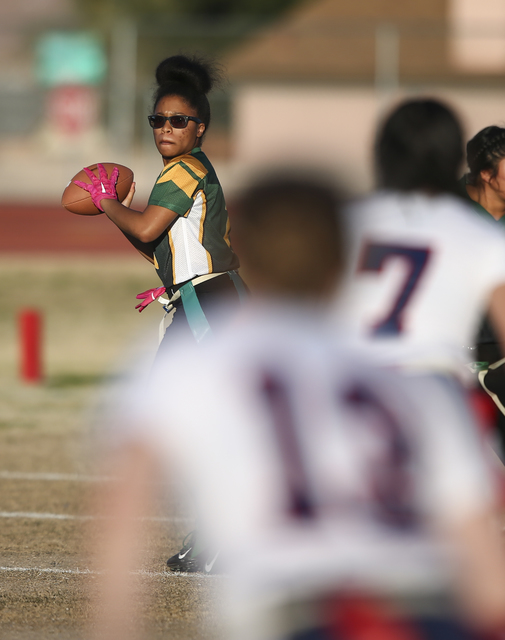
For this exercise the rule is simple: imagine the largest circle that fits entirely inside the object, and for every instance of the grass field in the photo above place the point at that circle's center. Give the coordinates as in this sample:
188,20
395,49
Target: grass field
47,465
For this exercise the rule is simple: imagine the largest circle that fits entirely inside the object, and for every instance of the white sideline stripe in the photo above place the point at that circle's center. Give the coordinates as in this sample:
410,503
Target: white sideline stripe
141,572
65,516
42,516
50,570
67,477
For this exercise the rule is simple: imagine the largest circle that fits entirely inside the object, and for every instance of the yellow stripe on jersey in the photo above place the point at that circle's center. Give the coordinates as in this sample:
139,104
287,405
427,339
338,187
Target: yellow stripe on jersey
227,233
202,222
156,265
182,179
163,175
195,165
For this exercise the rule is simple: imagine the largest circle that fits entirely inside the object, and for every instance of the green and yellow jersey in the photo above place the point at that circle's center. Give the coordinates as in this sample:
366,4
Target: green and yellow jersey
198,241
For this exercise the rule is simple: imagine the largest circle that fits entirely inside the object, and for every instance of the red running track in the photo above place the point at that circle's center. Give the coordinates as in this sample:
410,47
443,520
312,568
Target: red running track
53,229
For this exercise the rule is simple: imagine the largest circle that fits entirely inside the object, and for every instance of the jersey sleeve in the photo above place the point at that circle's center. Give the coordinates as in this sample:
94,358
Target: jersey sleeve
174,189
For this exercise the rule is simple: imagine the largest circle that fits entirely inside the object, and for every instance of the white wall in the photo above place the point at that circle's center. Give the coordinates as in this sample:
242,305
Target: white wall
327,126
332,126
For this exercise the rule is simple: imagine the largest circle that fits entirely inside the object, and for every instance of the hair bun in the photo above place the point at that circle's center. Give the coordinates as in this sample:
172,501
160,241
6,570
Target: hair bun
195,71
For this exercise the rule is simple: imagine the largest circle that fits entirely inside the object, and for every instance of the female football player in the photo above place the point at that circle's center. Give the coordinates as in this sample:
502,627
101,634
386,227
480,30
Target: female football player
424,269
184,230
484,187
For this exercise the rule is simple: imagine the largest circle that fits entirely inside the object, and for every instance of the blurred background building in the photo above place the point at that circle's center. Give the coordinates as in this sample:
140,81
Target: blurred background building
314,85
307,79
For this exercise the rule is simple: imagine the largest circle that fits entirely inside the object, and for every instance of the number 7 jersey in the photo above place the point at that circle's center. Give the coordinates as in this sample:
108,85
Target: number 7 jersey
420,275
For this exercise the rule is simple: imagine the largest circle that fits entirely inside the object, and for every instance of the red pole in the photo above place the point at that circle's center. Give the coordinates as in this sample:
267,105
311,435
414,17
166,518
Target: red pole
30,331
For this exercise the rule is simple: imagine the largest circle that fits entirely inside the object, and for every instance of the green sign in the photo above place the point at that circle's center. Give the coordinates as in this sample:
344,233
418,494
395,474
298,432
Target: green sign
70,58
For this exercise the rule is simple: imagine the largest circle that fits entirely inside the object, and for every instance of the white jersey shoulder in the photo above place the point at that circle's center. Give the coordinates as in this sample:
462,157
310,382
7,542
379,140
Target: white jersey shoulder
421,271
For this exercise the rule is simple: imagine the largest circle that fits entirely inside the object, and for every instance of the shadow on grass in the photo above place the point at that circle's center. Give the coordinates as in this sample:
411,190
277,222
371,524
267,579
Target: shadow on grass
65,380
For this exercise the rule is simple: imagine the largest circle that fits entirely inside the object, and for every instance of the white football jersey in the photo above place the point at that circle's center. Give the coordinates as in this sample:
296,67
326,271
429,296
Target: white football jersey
310,470
420,276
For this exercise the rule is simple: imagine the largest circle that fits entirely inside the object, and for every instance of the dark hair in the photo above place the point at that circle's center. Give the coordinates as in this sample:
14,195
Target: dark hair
189,77
484,152
420,146
287,230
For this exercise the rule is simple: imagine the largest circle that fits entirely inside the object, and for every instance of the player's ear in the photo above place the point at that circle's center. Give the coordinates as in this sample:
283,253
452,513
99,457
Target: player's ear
201,130
486,175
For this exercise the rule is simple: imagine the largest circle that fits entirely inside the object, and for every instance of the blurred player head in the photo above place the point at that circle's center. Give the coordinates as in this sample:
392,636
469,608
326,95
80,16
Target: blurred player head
484,153
420,147
288,235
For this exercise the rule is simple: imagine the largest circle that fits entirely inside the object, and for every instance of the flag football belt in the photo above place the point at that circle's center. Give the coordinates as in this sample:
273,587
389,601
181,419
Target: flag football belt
196,318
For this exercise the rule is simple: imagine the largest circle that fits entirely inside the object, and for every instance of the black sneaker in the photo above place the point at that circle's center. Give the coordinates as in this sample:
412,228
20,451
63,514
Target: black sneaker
187,561
183,560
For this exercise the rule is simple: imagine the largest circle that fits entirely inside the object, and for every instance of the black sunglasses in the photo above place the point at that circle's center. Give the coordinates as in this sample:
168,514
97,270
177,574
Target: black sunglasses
177,122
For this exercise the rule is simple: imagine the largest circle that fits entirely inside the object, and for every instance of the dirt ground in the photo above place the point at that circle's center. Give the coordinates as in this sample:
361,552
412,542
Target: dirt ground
47,466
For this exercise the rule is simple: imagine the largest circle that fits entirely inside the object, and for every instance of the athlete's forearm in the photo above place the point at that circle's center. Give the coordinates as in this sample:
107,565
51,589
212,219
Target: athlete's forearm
481,576
145,226
146,249
128,220
121,506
